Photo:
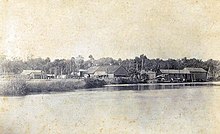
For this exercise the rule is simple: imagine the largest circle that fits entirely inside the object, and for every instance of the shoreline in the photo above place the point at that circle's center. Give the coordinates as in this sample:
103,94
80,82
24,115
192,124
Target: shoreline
20,87
165,84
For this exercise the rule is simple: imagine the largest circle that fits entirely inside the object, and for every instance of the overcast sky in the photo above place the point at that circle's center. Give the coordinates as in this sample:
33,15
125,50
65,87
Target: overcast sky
115,28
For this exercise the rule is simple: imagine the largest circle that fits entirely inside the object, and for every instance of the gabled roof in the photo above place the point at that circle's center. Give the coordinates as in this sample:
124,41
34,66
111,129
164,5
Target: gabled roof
27,72
198,70
173,71
92,70
109,69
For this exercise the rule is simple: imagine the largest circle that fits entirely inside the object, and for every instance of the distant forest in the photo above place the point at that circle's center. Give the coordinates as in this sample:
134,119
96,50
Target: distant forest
67,66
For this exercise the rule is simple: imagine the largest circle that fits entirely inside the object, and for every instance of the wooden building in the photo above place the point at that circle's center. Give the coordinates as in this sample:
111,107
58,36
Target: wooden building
186,74
197,74
91,71
50,76
151,75
81,73
171,75
33,74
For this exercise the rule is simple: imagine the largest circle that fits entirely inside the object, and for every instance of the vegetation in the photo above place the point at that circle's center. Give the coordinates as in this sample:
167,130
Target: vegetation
20,87
94,83
122,81
13,87
50,86
134,66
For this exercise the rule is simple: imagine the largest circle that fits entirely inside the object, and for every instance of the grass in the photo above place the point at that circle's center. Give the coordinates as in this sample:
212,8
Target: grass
13,87
54,85
94,83
20,87
121,81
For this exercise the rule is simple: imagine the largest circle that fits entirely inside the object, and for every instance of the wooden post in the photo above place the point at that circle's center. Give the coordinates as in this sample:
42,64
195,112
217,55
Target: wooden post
142,64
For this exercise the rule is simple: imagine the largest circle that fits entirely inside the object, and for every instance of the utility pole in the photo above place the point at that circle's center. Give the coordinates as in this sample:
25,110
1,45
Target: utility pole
136,66
142,64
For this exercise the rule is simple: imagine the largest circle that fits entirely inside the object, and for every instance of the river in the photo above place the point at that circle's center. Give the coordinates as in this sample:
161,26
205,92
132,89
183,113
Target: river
115,110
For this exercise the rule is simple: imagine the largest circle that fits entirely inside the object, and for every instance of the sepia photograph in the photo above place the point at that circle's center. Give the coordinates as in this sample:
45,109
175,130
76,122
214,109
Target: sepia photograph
109,67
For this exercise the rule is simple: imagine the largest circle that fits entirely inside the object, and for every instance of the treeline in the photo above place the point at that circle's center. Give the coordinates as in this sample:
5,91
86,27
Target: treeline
135,65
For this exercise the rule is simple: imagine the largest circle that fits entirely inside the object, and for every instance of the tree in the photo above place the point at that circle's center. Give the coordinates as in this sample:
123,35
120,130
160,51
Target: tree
213,68
119,61
73,65
79,62
2,59
106,61
134,74
91,57
90,62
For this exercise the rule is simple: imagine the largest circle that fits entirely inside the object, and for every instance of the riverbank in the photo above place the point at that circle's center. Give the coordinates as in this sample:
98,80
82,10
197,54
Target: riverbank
217,83
21,87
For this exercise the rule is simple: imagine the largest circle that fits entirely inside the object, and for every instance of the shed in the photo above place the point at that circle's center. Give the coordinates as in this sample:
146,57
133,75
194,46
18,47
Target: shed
81,72
33,74
171,74
50,76
151,75
197,74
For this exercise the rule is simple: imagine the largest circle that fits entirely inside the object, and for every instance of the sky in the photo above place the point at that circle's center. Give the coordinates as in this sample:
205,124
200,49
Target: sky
110,28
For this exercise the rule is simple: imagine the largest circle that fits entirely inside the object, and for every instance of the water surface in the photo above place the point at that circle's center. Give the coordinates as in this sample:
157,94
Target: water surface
119,110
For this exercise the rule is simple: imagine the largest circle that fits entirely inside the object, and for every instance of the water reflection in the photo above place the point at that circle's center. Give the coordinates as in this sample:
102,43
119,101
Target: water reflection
151,87
115,110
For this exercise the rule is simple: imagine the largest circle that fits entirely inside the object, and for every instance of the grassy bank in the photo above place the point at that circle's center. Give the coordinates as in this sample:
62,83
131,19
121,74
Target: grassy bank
121,81
20,87
13,87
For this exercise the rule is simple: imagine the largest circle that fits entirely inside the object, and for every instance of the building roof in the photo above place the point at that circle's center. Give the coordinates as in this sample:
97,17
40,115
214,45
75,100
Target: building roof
92,70
173,71
109,69
100,73
151,72
147,72
82,70
27,72
197,70
103,70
